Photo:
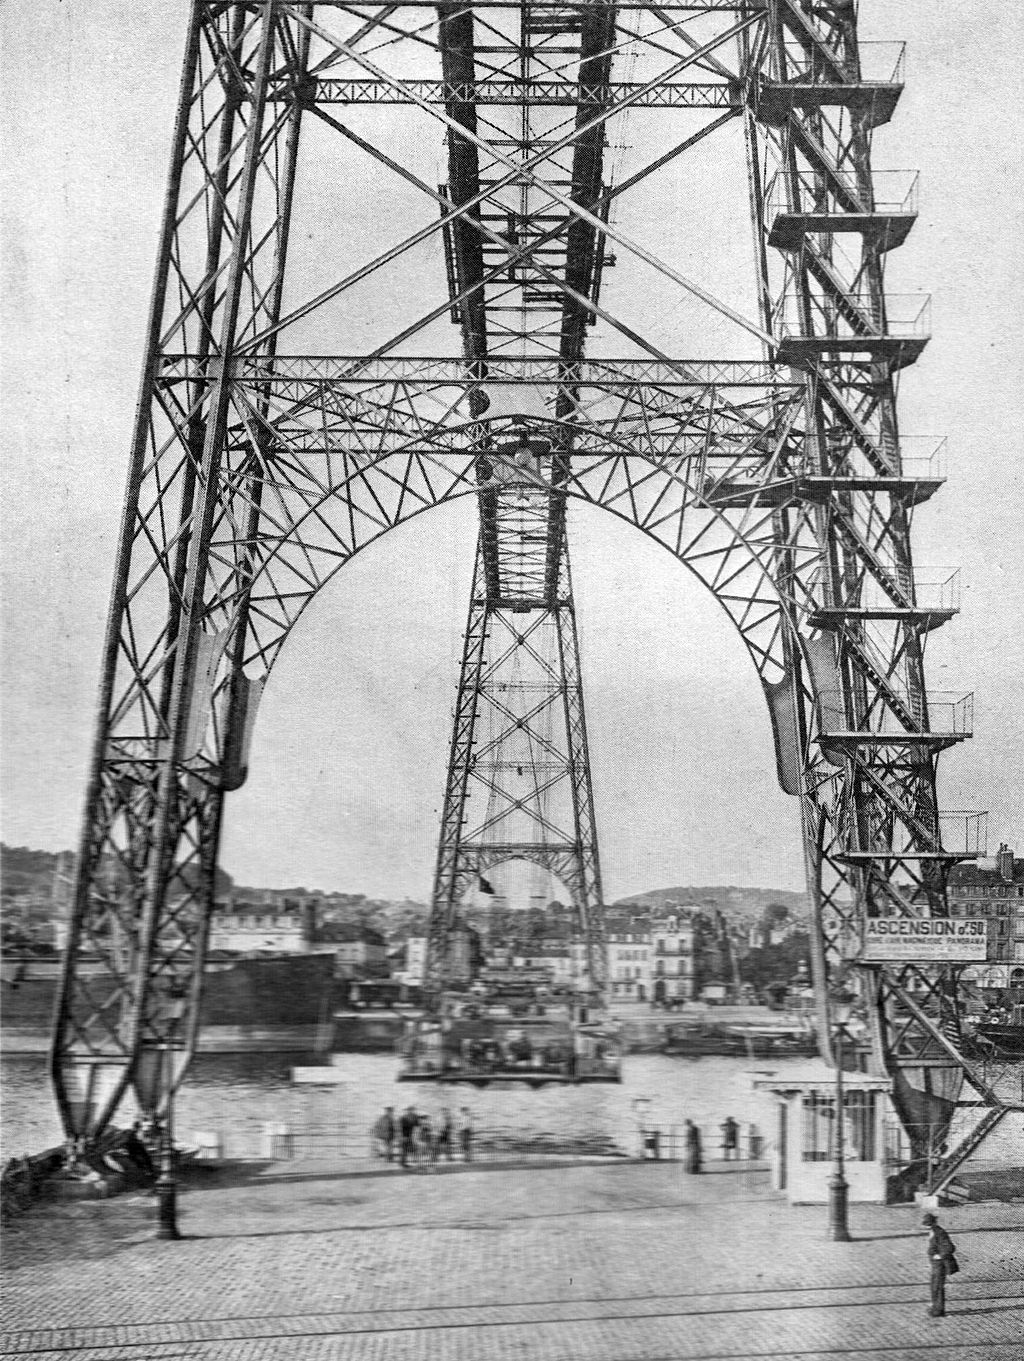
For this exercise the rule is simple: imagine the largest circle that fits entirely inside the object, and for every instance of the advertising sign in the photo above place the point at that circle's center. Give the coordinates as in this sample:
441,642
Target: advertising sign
924,940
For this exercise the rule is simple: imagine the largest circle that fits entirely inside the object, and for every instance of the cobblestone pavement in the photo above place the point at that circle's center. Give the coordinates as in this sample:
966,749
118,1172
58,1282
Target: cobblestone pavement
612,1262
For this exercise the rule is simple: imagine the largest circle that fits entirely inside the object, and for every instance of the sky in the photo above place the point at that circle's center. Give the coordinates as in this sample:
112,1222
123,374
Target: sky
349,754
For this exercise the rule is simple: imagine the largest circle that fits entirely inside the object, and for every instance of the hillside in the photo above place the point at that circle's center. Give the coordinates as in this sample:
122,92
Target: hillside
25,872
735,903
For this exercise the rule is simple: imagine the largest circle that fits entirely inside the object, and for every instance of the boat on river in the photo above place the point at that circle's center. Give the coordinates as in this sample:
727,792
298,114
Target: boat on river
739,1039
1000,1033
259,996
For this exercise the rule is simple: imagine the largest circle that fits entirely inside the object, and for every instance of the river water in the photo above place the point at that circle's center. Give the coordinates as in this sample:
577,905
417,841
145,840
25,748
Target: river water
238,1095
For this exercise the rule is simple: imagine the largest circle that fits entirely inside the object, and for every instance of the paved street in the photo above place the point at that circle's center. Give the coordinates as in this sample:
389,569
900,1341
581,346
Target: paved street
601,1262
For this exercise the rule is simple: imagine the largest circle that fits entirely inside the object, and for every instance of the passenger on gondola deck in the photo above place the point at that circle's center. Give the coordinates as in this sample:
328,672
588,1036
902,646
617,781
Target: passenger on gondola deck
384,1133
407,1130
443,1139
426,1140
466,1134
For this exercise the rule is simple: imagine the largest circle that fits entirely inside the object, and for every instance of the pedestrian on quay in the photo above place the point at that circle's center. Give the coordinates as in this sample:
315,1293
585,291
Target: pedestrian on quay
466,1134
943,1263
730,1138
407,1132
443,1138
691,1143
384,1134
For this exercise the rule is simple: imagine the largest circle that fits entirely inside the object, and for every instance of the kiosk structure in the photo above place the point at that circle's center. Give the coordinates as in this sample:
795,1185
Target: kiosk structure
806,1144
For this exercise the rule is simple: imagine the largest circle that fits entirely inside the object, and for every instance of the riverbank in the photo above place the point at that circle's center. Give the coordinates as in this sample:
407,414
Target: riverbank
379,1031
609,1262
217,1039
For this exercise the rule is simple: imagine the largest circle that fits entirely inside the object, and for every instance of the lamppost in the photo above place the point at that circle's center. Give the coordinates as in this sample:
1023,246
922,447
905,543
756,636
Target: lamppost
170,1010
166,1186
838,1187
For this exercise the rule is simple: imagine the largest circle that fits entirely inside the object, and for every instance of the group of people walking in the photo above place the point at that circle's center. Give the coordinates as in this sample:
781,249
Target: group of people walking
417,1139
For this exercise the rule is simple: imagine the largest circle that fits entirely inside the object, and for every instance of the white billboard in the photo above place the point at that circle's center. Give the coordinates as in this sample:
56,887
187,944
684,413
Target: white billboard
925,940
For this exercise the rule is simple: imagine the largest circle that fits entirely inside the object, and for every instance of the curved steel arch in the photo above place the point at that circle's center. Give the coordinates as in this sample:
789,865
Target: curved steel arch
739,539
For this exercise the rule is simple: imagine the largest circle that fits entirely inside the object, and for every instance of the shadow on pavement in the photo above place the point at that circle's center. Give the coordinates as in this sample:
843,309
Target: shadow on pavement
994,1309
886,1237
249,1173
462,1224
988,1228
958,1231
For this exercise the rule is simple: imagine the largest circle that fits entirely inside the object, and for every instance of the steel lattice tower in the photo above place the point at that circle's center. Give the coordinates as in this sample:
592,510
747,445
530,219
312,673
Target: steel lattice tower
519,740
263,460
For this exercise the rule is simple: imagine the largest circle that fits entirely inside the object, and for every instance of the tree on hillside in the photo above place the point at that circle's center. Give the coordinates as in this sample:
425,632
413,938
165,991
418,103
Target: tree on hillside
536,924
776,961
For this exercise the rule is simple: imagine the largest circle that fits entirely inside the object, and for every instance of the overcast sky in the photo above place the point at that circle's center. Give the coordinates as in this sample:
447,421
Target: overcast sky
348,759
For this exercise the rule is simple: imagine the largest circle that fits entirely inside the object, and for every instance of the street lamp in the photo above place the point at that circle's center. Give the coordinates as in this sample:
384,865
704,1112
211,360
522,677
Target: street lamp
838,1187
166,1185
152,1079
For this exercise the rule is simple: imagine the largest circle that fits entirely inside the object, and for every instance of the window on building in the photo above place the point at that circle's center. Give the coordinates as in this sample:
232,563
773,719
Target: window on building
819,1134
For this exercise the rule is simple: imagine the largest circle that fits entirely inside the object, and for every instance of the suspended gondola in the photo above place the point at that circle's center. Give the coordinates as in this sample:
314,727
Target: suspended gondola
466,1037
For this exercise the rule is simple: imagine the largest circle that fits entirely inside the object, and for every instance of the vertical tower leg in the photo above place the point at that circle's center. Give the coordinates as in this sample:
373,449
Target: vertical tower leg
173,697
519,783
862,716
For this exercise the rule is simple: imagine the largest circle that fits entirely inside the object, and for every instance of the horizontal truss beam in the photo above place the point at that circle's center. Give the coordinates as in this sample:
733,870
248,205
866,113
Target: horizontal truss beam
519,93
497,369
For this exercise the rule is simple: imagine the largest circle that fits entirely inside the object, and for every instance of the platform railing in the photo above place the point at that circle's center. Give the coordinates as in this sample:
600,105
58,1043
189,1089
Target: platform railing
950,713
901,316
296,1141
964,830
880,63
920,458
930,589
923,457
892,192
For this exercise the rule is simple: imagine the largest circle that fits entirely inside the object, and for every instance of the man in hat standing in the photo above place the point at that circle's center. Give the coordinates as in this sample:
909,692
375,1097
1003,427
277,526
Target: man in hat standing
942,1260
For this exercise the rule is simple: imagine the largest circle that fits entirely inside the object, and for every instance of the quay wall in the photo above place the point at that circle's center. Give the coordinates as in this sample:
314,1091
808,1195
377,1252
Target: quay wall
242,1015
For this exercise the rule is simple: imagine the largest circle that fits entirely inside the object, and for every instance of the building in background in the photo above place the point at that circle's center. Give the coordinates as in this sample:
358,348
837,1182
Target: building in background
673,955
414,965
554,957
360,951
273,928
628,939
994,890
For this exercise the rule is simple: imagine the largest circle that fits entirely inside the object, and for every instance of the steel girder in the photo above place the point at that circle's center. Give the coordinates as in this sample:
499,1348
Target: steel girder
522,589
518,784
257,470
